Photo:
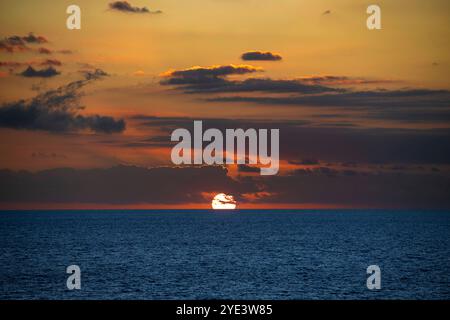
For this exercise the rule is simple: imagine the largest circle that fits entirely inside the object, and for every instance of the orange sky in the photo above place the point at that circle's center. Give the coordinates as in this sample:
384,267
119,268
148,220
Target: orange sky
411,51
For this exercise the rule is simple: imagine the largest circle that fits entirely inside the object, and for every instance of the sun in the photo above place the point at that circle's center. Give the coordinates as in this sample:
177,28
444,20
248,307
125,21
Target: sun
223,201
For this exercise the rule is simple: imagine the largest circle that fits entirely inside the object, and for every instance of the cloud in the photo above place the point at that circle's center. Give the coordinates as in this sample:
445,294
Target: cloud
320,170
168,123
359,99
58,111
214,80
248,169
12,64
413,116
44,51
409,105
341,80
31,38
13,44
202,74
19,43
119,185
125,6
306,162
30,72
365,145
17,64
44,155
65,51
263,85
260,56
180,185
353,189
94,74
406,105
304,139
51,62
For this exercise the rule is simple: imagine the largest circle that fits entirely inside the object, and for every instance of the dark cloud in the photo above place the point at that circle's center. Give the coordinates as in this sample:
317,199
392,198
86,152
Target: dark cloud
167,124
178,185
17,64
306,162
125,6
30,72
303,139
404,105
118,185
31,38
260,56
349,164
326,171
19,43
248,169
200,75
359,99
12,64
94,74
13,44
44,51
58,111
263,85
341,80
320,170
365,145
437,115
214,80
51,62
354,189
155,141
408,105
44,155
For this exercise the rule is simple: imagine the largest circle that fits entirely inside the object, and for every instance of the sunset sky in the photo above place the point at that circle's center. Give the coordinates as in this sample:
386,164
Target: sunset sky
86,115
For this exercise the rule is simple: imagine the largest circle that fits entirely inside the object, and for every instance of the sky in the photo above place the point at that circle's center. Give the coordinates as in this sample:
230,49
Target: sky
86,115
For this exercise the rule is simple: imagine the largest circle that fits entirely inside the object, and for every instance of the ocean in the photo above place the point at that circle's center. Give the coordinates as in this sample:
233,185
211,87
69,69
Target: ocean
241,254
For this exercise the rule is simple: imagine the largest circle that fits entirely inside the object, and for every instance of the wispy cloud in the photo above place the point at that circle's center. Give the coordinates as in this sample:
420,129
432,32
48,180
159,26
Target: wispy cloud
58,110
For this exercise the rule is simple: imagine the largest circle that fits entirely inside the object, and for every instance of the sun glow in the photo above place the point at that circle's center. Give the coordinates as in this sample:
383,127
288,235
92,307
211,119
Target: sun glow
223,201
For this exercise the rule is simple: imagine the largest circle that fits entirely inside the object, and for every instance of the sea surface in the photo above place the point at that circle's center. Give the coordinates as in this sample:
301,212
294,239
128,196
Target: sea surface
202,254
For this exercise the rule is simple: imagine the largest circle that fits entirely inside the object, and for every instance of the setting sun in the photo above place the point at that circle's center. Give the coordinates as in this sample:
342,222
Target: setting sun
224,202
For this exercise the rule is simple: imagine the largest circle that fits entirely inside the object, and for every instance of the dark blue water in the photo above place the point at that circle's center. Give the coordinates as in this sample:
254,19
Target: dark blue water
213,255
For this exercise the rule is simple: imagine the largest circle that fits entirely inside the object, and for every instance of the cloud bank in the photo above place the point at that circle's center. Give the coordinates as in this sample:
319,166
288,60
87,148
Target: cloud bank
117,185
